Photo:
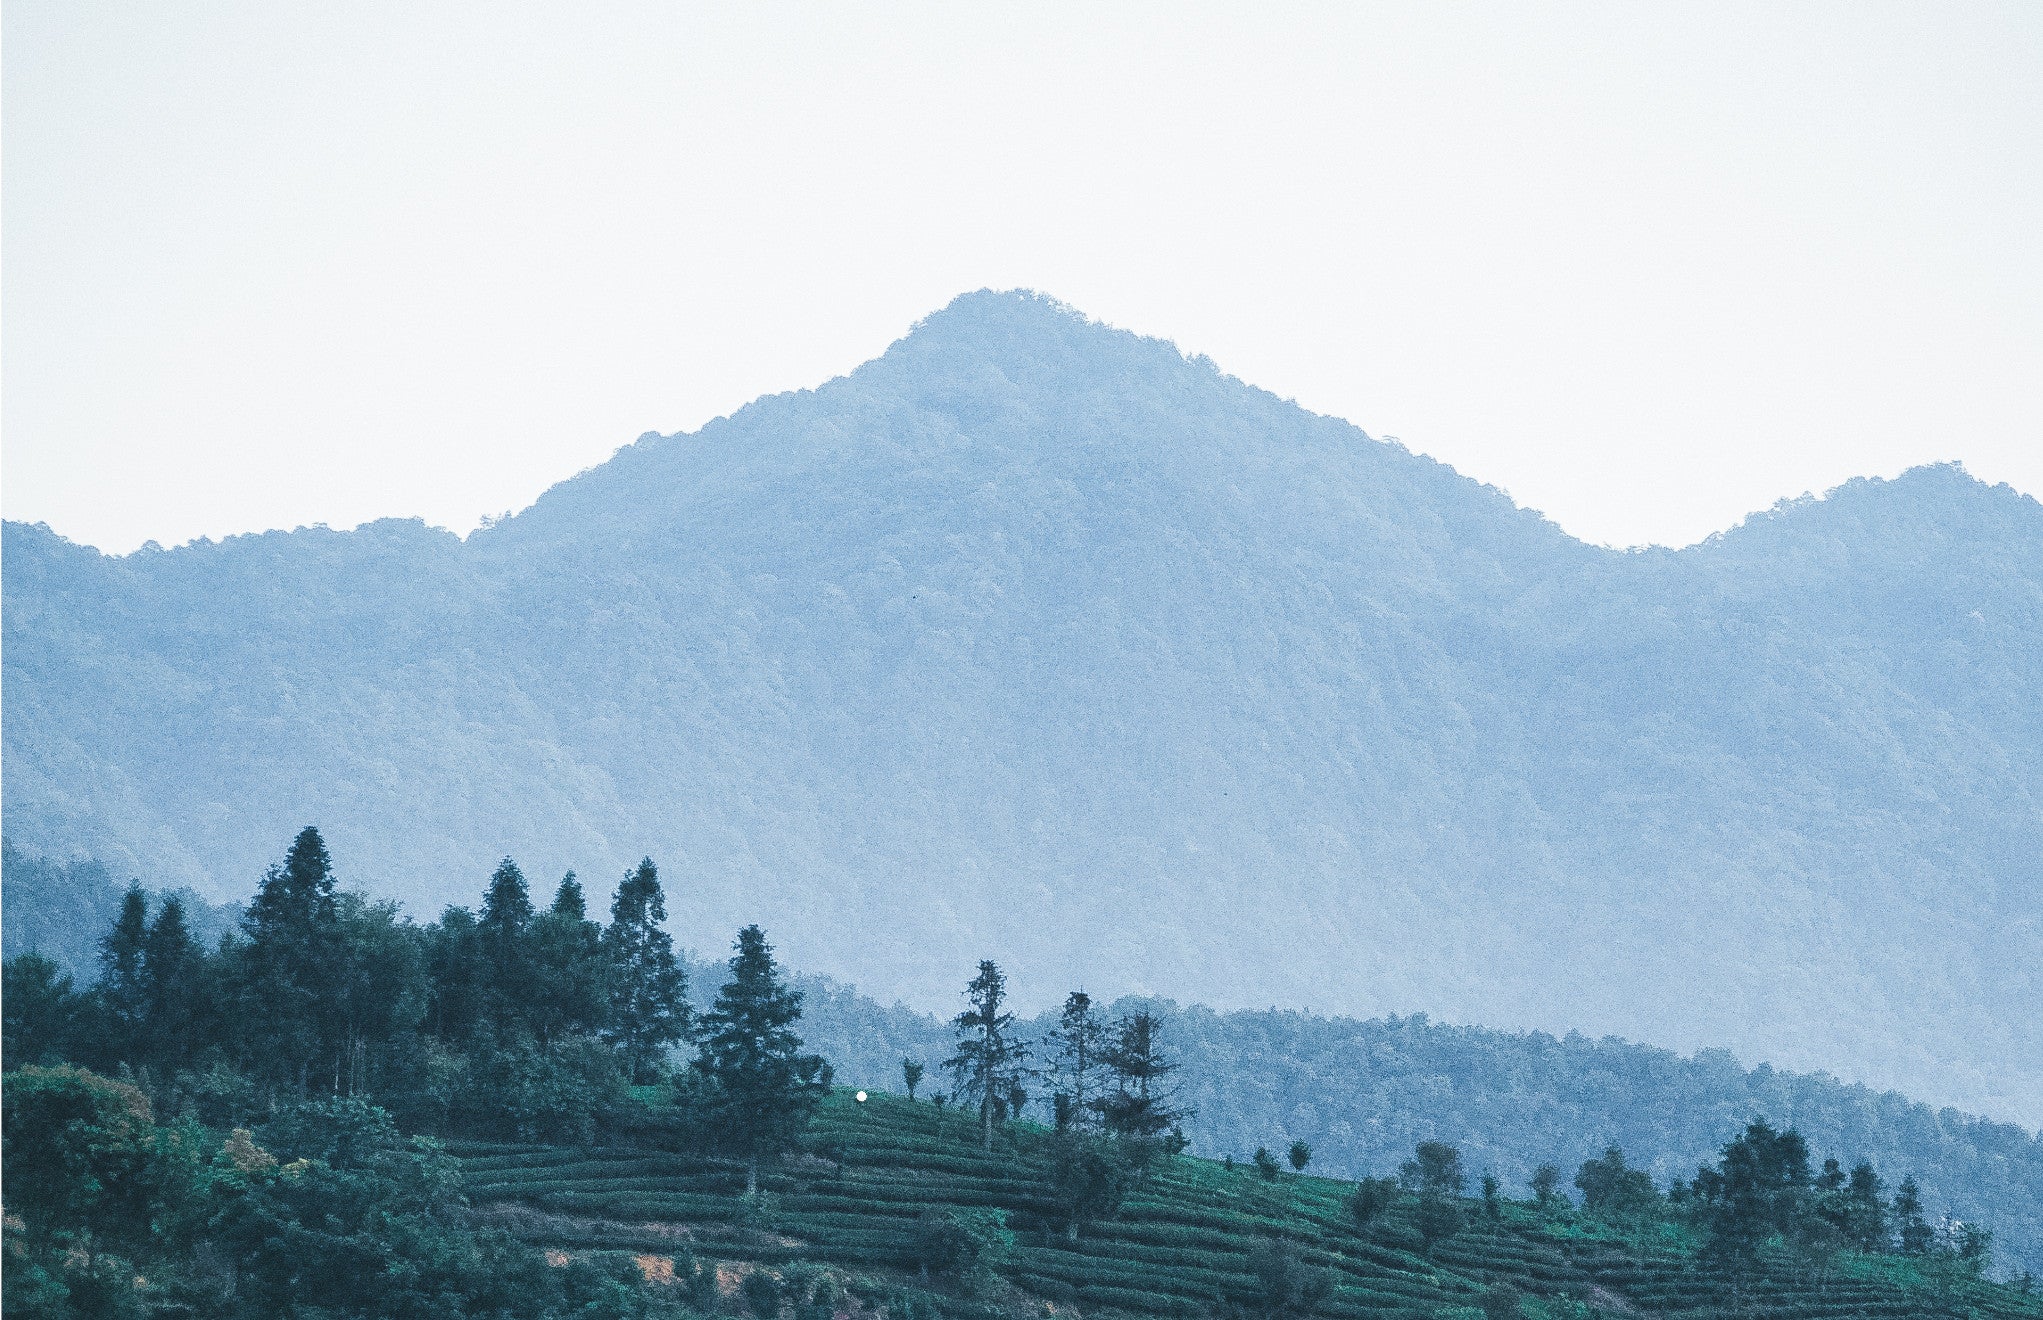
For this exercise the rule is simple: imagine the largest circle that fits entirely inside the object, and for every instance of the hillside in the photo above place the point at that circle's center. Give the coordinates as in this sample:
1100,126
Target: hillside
1032,639
1187,1243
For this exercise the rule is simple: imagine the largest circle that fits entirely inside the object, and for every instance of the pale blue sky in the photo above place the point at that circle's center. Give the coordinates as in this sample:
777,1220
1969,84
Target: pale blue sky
1647,267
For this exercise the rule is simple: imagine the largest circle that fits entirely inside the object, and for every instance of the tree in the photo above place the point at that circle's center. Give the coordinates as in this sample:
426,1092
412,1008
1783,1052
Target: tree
1371,1198
765,1088
510,990
1266,1164
1546,1182
962,1245
1434,1170
911,1075
648,997
989,1062
41,1011
1914,1231
1493,1199
1763,1190
1434,1174
122,992
1079,1045
289,965
1092,1174
74,1154
1141,1106
1300,1155
1865,1213
1613,1190
1285,1284
173,988
569,963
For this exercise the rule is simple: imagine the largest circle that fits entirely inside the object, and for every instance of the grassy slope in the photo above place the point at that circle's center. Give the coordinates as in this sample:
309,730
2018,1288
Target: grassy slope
1181,1247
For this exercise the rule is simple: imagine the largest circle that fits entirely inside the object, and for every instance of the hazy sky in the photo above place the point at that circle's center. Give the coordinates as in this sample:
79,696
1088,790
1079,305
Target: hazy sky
1646,267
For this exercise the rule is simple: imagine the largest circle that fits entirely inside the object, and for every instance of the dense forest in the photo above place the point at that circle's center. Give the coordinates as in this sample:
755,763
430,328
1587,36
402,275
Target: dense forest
1243,706
286,1123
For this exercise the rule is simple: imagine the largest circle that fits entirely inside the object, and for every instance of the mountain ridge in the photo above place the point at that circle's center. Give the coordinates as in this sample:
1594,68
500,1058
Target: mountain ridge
1033,615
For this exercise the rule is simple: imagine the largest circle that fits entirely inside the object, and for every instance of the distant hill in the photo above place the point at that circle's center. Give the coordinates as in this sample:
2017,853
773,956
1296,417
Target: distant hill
1033,639
63,910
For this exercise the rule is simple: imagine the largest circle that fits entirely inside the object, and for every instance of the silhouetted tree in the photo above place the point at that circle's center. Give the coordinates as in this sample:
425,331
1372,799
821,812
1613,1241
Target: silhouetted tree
1913,1230
1079,1045
911,1075
988,1061
570,967
648,993
1301,1155
1140,1106
174,988
123,991
288,967
765,1088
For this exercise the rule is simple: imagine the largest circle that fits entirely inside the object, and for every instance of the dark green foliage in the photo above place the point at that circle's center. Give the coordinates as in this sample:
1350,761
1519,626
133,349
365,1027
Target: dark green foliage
1909,1225
1493,1198
648,992
1142,1104
911,1076
77,1153
764,1085
289,968
1092,1174
511,989
761,1291
42,1011
122,995
1434,1170
1762,1190
570,967
1266,1164
1611,1188
989,1061
1545,1184
961,1245
1371,1198
1079,1047
1300,1155
1285,1284
1502,1302
62,910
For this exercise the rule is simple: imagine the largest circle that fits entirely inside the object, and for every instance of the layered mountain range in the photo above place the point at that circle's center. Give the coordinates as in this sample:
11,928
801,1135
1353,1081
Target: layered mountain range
1035,640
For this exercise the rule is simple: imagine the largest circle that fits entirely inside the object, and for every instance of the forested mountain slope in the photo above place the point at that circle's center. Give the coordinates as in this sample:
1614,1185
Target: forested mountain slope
1032,639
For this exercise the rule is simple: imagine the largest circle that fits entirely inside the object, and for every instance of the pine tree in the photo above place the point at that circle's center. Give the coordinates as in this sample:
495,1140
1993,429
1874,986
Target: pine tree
123,992
511,990
571,967
911,1075
765,1088
648,993
173,981
1080,1045
1865,1216
1140,1105
1915,1232
989,1062
290,965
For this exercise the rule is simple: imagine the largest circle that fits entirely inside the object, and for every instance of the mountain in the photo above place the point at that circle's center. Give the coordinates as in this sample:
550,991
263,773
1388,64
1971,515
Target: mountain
1033,639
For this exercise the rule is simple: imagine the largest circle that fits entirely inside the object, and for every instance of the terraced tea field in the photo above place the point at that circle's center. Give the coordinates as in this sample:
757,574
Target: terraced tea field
1181,1246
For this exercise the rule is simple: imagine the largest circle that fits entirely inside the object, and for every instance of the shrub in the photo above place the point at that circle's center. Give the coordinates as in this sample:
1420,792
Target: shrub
961,1244
762,1294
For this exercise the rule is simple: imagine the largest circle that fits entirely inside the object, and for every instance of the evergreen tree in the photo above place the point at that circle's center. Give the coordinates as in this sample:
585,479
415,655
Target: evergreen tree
1763,1189
1546,1183
1300,1155
911,1075
1140,1105
454,971
989,1061
289,965
1914,1231
511,990
765,1088
570,966
41,1012
1079,1046
123,992
174,988
648,993
1865,1215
